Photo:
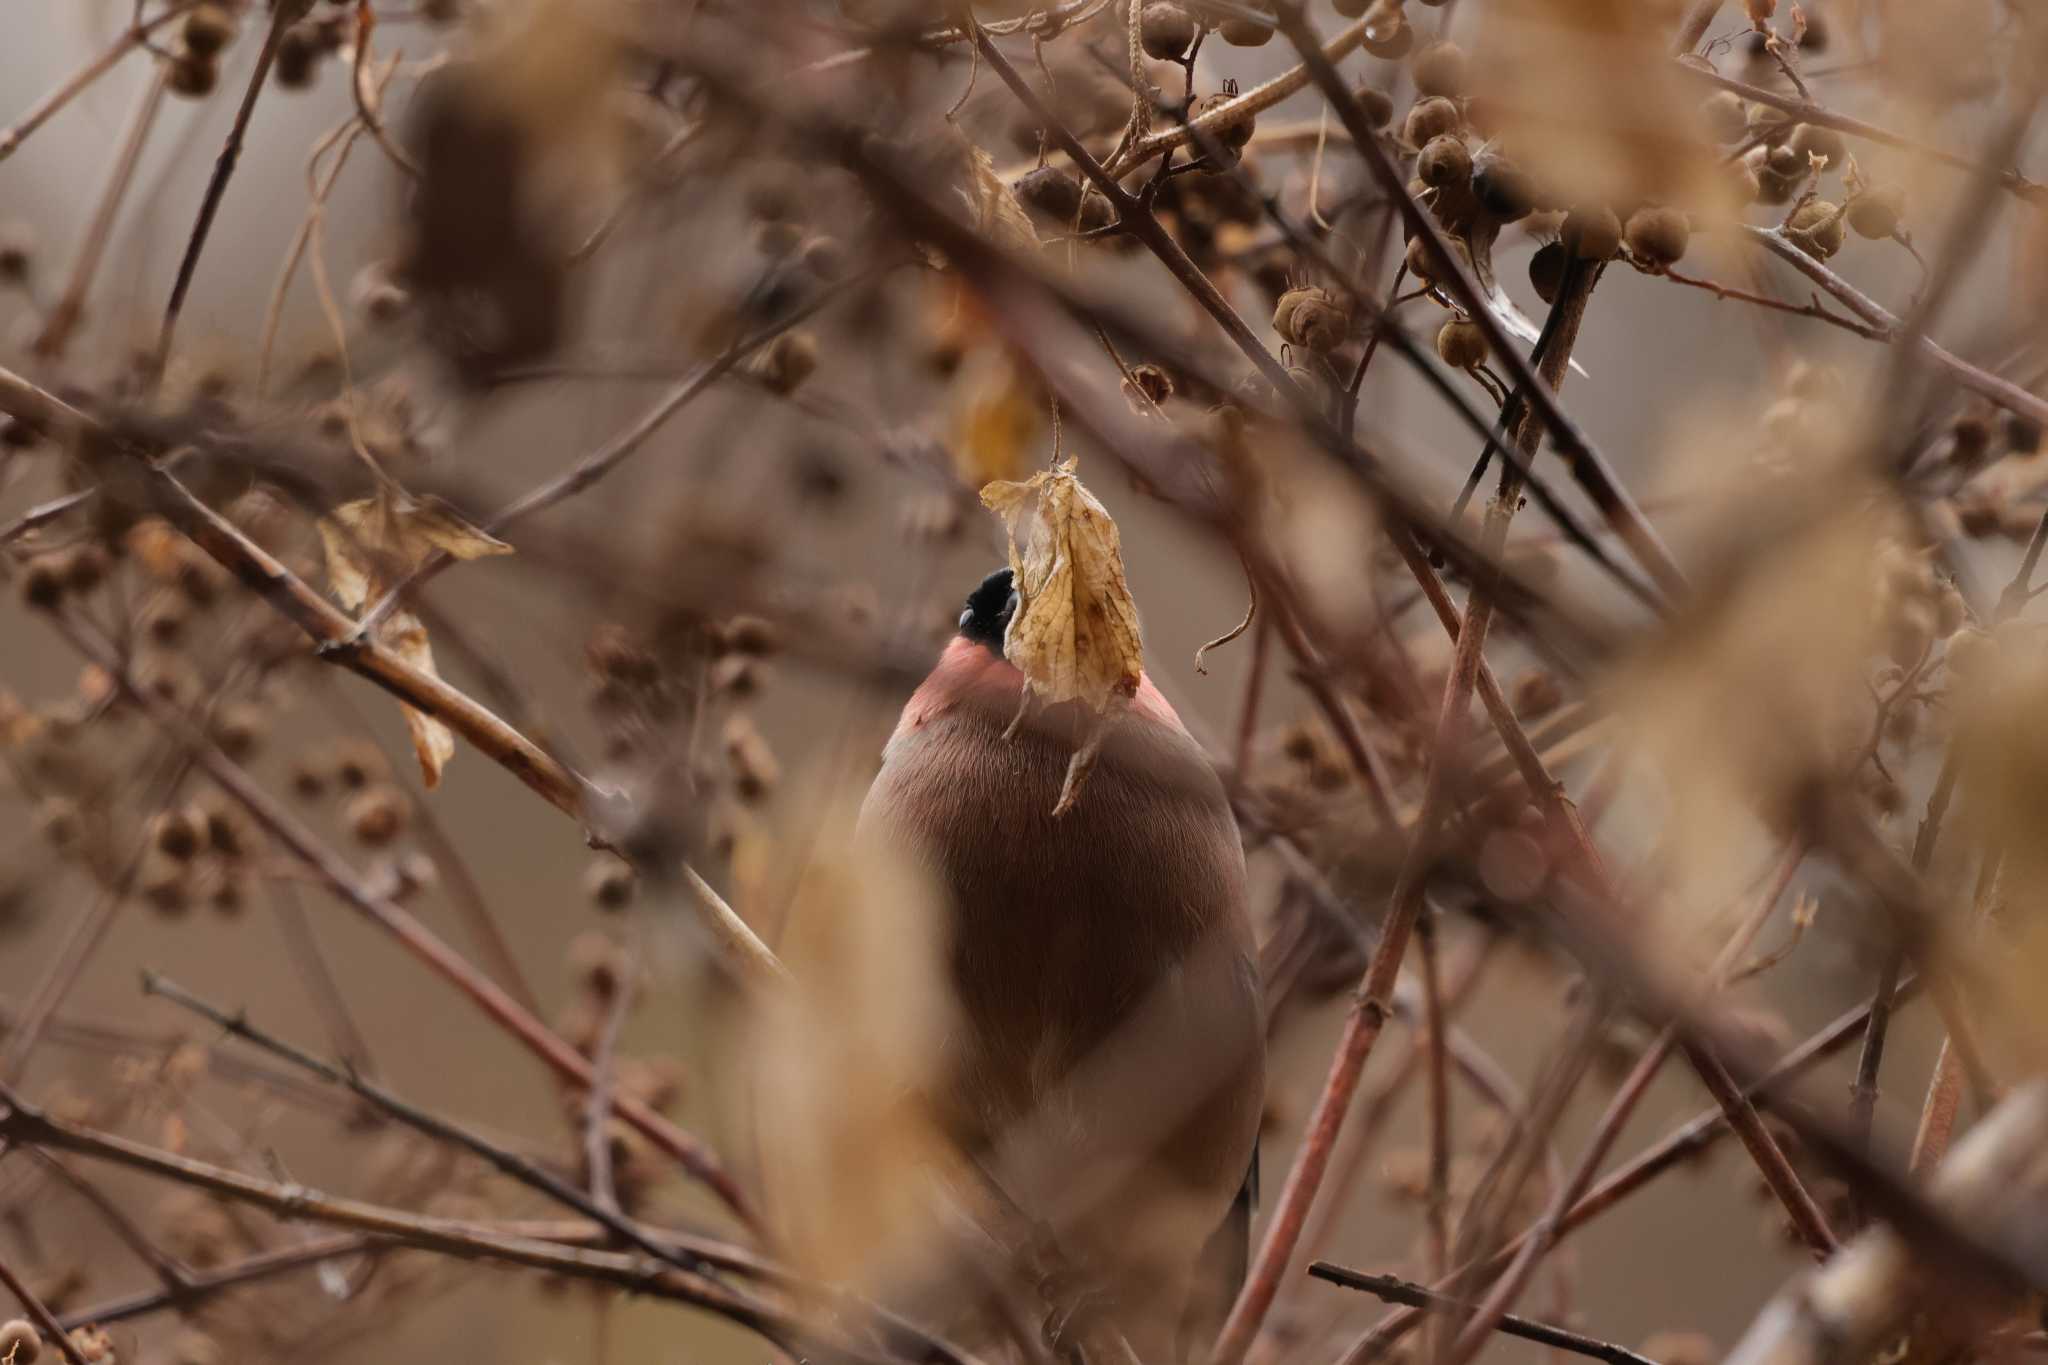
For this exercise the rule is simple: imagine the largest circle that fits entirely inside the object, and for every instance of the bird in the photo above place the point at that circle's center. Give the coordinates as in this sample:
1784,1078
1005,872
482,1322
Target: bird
1107,1064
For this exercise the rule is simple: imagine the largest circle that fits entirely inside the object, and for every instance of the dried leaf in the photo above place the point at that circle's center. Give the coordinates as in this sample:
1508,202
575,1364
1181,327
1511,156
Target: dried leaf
376,542
997,214
1001,414
1075,635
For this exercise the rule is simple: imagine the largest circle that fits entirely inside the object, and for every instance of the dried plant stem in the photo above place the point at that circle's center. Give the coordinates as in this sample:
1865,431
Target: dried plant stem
512,1164
77,82
283,15
597,1103
22,1122
2002,392
336,636
69,310
52,1332
1394,1290
304,950
1810,309
1542,1236
281,825
1437,1200
1589,468
1806,111
173,1277
1681,1145
1253,101
1945,1086
1370,1004
598,463
200,1287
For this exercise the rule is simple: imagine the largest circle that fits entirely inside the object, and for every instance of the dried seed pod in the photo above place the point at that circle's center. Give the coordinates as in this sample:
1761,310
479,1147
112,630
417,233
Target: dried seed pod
240,729
1233,134
309,778
208,28
1444,163
377,814
1429,119
752,635
2022,434
1393,41
1546,270
1874,213
380,300
610,883
358,762
299,51
1811,139
1148,383
1950,611
824,258
19,1344
1377,104
1816,228
787,362
59,822
42,582
1593,234
1766,124
1420,264
1244,32
1461,344
755,770
1969,438
176,834
1052,194
1726,119
17,259
597,963
193,75
1166,30
1440,69
1311,318
1536,693
1658,236
227,833
1502,188
85,567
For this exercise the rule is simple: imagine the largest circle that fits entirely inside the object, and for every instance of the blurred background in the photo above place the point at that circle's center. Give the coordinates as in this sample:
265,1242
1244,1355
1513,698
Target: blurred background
847,500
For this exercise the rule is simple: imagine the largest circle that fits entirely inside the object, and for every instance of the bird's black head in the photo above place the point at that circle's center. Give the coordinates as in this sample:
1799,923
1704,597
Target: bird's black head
988,613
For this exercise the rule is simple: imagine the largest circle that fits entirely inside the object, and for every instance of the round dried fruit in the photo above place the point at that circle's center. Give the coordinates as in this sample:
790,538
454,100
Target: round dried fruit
1311,319
1439,69
1166,30
1658,236
1875,212
1816,228
1429,119
1444,163
1461,344
1593,234
1546,271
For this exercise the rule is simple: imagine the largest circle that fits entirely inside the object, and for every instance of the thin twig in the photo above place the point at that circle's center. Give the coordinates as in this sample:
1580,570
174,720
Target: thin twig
1394,1290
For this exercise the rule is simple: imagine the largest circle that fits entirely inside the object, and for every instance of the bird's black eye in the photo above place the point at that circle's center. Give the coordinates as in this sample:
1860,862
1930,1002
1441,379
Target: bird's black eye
989,609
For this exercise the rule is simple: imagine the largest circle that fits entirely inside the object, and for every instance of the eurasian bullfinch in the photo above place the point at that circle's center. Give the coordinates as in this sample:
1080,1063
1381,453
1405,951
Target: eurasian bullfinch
1109,1066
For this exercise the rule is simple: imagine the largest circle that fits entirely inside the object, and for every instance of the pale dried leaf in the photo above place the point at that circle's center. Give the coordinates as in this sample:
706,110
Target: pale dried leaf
406,636
373,543
1075,635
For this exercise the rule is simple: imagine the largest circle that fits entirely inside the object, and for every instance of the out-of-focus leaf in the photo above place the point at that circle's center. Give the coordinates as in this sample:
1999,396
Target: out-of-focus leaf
373,543
844,1058
1001,415
997,214
1075,635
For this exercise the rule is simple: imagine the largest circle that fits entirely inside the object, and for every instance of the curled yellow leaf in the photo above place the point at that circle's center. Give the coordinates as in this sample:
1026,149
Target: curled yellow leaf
1075,634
